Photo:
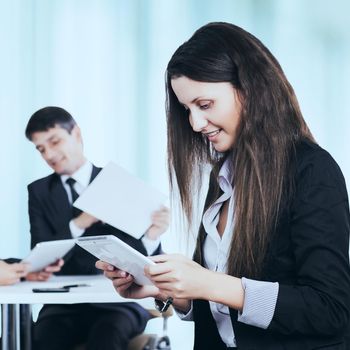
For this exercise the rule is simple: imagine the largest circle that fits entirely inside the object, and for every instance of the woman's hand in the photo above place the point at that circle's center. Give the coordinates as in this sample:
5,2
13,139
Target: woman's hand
46,273
12,273
182,279
124,283
179,277
160,223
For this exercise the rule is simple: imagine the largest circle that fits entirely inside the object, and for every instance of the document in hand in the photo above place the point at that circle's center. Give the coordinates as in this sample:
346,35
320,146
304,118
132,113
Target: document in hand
119,254
121,200
46,253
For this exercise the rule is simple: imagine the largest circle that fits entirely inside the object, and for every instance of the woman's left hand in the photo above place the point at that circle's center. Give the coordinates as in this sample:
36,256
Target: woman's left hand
46,273
160,223
179,277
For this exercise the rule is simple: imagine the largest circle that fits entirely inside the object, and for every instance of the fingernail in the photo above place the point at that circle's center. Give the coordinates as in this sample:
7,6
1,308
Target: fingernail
110,268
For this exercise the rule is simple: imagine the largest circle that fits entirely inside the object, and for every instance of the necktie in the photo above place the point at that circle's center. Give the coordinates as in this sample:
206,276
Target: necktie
70,182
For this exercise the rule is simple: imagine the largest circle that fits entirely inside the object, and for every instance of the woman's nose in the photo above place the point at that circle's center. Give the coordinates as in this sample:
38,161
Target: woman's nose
198,122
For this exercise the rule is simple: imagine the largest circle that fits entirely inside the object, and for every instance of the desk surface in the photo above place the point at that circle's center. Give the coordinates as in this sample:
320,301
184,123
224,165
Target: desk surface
100,290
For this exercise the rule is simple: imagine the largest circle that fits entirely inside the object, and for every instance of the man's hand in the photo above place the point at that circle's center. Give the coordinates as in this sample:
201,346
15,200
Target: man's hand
46,273
12,273
160,223
84,220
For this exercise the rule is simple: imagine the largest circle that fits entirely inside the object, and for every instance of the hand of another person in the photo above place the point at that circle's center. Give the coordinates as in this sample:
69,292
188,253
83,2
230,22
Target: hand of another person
12,273
46,273
85,220
124,283
160,223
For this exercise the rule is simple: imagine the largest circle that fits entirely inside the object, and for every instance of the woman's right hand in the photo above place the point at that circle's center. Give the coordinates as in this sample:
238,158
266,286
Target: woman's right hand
124,283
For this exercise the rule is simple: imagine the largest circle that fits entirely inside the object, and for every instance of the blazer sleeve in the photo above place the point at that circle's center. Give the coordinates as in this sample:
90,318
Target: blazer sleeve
317,301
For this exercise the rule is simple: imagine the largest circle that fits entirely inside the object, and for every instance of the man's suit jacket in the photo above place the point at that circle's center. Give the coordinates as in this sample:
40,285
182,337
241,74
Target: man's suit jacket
50,213
309,257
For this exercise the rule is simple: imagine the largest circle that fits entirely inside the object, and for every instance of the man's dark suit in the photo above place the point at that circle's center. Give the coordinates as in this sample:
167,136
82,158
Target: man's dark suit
309,257
50,213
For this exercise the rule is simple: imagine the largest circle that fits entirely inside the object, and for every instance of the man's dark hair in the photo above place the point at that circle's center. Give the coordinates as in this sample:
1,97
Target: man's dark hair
47,118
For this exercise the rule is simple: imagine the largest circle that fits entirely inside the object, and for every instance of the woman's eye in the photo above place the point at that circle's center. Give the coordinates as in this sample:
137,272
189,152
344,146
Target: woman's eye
204,105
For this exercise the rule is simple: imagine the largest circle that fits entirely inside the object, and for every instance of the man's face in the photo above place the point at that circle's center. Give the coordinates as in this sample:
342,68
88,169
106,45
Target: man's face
62,151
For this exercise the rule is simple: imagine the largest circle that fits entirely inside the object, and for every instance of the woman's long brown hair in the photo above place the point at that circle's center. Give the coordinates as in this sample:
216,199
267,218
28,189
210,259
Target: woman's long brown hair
263,153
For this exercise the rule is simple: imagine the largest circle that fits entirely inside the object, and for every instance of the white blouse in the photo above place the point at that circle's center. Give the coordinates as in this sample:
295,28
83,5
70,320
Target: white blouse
259,297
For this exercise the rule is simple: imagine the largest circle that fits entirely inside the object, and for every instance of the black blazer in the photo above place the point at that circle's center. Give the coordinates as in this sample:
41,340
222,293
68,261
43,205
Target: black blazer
309,257
50,213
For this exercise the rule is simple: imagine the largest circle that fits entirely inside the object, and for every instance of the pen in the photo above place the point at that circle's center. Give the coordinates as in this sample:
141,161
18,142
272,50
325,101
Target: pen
77,285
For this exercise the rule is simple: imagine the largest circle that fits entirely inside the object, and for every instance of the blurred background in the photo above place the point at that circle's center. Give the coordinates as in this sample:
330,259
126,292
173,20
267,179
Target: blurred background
104,61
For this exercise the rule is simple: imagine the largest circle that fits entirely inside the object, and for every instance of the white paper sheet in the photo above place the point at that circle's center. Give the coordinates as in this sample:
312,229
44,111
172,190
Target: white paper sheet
121,200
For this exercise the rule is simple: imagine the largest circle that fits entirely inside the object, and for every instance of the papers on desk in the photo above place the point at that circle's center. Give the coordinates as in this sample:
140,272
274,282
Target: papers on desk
121,200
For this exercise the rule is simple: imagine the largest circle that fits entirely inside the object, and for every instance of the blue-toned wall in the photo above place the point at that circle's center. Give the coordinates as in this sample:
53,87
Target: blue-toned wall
104,61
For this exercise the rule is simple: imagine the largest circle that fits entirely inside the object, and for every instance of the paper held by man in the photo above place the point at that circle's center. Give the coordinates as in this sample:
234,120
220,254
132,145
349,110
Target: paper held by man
121,200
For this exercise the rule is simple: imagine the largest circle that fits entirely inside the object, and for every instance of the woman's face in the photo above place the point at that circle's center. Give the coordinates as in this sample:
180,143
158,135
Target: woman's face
214,109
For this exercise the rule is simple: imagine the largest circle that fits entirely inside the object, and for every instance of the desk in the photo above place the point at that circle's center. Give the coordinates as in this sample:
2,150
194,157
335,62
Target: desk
100,290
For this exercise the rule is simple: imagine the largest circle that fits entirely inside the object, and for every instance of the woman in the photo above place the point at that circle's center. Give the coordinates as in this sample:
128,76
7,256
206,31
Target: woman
271,267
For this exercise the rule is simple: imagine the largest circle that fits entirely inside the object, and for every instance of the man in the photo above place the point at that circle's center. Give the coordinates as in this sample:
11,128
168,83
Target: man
57,137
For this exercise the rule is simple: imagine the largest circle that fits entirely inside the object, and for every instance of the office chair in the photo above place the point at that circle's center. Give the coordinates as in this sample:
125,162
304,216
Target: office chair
153,341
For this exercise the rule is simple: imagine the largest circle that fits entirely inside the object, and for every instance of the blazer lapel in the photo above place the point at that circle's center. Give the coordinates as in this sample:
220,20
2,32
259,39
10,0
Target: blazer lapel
58,207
